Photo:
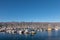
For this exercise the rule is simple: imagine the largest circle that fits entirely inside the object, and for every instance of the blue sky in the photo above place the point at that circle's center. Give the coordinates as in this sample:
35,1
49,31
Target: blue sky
30,10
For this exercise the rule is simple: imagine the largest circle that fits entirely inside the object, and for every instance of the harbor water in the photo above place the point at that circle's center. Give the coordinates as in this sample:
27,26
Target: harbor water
44,35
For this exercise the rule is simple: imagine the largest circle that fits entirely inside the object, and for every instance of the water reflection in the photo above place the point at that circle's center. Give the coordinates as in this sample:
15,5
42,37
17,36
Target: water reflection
49,33
44,35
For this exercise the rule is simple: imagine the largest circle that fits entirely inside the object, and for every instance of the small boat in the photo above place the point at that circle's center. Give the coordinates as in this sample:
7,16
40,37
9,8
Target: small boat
56,29
20,31
26,31
33,32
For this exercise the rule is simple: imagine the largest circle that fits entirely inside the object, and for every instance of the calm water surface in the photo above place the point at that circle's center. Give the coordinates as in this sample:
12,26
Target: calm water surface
50,35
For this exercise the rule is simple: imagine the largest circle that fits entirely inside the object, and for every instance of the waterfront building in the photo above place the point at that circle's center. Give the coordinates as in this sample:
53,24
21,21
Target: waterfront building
49,27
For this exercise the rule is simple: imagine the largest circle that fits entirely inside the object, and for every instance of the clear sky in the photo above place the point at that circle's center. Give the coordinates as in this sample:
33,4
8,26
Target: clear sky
30,10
